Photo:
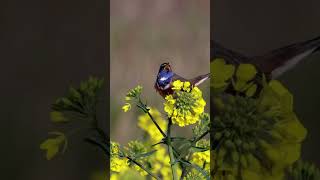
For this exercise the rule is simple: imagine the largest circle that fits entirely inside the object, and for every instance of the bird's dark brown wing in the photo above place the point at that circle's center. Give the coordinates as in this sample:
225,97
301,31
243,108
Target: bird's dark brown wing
273,63
177,77
194,81
230,56
283,59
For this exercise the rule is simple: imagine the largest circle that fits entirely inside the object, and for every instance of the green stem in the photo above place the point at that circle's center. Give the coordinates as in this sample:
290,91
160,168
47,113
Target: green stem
201,136
151,117
145,169
142,106
172,159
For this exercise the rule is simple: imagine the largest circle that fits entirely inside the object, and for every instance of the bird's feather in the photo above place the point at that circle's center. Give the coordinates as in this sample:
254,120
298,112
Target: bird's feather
273,63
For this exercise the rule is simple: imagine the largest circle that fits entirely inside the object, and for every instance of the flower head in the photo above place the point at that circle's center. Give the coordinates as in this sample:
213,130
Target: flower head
114,148
134,93
126,107
118,164
186,105
202,158
255,138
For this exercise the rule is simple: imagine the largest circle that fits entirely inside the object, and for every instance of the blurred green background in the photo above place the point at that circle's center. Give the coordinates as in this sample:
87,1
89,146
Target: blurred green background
145,34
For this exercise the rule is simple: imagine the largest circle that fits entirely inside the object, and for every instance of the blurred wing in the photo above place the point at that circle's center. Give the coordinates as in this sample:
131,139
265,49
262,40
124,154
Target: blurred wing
177,77
281,60
195,81
230,56
200,79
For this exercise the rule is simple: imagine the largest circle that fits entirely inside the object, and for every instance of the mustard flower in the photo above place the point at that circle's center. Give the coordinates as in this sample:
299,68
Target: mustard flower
255,138
126,107
134,93
114,148
131,95
127,174
147,125
185,105
221,73
201,158
118,164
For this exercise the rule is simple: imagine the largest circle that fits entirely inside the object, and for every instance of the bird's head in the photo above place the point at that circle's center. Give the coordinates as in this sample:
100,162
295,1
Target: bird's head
165,67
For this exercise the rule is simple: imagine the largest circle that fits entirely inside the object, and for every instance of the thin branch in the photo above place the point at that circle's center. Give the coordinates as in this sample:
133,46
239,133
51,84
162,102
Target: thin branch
200,137
144,109
145,169
172,159
151,117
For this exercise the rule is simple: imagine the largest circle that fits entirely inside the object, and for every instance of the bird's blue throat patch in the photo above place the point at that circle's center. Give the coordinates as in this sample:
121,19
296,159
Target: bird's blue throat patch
164,78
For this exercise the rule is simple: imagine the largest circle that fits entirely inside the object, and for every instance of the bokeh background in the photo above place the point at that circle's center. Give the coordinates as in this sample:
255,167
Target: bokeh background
145,34
256,27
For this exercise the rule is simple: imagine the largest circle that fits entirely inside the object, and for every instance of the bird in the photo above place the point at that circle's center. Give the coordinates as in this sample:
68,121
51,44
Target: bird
274,63
166,77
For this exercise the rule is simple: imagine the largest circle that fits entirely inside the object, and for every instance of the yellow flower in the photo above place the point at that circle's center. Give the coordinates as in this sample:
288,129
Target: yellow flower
118,164
114,148
201,158
134,93
128,174
177,85
186,105
259,138
126,107
186,86
221,73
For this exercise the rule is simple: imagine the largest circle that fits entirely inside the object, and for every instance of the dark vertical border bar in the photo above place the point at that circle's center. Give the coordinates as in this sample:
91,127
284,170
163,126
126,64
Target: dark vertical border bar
211,104
107,55
47,46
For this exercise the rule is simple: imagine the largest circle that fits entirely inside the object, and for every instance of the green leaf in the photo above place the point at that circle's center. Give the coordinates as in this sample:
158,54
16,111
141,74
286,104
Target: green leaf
203,172
198,149
58,117
52,145
75,94
143,155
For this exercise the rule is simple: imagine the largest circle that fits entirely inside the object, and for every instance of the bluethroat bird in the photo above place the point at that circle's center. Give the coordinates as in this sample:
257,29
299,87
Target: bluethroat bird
166,77
272,64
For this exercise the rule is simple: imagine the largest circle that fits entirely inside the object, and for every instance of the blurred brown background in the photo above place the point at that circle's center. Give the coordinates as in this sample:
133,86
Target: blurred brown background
255,27
145,34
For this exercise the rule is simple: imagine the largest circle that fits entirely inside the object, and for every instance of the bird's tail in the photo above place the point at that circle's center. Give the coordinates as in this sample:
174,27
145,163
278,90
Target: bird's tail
200,79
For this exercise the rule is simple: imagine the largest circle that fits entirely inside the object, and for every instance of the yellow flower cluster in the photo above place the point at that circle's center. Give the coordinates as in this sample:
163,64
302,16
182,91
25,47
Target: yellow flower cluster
118,164
127,174
161,163
147,125
258,132
201,158
114,148
131,95
185,105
